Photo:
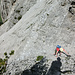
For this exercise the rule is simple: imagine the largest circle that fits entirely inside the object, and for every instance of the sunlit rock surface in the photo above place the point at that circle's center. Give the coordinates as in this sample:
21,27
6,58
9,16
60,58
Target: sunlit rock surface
40,27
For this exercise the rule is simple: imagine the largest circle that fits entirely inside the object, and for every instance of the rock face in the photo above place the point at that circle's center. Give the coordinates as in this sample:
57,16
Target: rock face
12,11
34,28
8,7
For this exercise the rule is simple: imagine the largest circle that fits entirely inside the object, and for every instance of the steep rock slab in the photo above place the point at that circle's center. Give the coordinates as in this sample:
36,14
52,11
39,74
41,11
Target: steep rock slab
12,11
37,33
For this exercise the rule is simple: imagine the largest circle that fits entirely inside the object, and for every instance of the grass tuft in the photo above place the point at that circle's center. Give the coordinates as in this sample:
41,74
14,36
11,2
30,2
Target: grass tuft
3,62
39,58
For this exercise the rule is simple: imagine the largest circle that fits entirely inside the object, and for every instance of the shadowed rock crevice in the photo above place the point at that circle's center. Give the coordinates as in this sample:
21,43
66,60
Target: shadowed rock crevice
41,68
55,67
38,69
1,23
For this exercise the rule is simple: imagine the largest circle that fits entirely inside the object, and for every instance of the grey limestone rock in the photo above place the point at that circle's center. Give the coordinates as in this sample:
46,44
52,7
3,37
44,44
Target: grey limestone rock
39,25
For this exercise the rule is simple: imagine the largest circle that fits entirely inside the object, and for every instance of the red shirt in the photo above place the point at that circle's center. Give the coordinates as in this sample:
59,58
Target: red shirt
57,49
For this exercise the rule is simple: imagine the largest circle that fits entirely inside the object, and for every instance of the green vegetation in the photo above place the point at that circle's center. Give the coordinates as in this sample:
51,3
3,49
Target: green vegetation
3,62
15,17
0,18
47,14
2,66
12,52
39,58
5,53
19,17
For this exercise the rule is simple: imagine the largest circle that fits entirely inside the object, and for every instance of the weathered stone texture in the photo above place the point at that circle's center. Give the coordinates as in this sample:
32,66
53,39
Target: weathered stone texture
34,28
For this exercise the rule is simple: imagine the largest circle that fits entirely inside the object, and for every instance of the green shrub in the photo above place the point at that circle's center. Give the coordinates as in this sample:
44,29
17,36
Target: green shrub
47,14
12,52
0,19
5,59
0,59
39,58
2,66
6,56
5,53
19,17
3,62
15,17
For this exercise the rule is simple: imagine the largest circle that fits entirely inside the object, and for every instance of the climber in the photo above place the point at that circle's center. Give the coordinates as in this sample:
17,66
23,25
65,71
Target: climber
57,50
60,50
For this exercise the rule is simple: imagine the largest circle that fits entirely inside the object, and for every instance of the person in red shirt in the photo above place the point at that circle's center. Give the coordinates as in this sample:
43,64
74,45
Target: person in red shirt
60,50
57,50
